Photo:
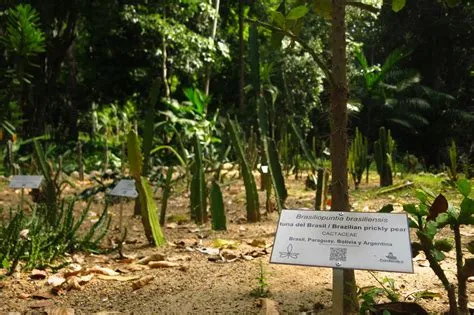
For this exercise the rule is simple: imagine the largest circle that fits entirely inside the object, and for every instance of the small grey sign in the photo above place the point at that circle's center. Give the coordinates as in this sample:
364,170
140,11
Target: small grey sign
125,188
26,181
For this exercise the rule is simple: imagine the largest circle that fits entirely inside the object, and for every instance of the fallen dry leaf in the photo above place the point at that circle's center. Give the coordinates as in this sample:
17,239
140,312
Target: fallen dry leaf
228,255
24,296
154,257
73,283
102,271
162,264
172,225
208,250
180,258
131,268
73,270
85,279
118,278
258,243
143,281
40,304
37,274
59,311
423,263
56,280
43,295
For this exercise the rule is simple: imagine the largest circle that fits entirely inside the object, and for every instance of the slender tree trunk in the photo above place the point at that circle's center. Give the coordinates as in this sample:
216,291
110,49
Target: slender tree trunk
344,293
213,36
73,132
241,56
164,64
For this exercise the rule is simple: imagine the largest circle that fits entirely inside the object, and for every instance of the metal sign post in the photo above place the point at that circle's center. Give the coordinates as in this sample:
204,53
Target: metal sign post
343,240
25,181
125,188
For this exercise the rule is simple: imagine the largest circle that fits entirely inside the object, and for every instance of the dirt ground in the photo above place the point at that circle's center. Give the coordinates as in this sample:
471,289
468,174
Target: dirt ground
198,281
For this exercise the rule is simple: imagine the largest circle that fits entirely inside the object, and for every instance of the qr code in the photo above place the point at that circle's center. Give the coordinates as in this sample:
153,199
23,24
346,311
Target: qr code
339,254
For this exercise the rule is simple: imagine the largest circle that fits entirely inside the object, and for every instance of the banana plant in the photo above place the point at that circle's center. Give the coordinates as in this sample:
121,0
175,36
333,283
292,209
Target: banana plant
149,211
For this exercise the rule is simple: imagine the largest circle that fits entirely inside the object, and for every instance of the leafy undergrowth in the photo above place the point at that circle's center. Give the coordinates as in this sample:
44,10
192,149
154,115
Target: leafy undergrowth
203,271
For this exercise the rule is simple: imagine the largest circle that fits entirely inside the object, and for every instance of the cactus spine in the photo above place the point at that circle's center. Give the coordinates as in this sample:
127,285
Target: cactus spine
358,154
149,211
383,153
217,208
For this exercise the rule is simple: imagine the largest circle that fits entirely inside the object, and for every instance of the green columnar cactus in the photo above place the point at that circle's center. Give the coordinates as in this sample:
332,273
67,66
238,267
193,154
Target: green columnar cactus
358,153
217,208
383,152
149,211
453,163
166,195
251,194
198,186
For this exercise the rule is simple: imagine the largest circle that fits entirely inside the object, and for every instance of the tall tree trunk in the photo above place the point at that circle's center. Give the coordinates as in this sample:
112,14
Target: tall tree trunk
73,132
344,293
241,56
213,36
164,64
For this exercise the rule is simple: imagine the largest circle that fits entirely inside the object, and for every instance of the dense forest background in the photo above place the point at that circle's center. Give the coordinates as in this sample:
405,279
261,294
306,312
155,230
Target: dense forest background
77,69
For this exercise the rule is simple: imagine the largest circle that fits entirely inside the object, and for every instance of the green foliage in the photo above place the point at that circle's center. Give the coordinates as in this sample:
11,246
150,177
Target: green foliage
251,193
166,195
358,157
383,155
262,289
428,218
217,208
397,5
453,163
198,195
37,242
148,207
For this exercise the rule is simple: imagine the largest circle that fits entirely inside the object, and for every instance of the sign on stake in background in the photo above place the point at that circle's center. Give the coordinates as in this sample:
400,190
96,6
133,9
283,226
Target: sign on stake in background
26,181
353,240
125,188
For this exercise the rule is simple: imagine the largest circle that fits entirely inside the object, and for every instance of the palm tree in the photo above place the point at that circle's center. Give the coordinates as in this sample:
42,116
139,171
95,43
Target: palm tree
388,96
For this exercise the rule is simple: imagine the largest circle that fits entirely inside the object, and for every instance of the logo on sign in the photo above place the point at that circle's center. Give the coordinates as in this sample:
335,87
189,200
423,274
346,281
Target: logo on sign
391,258
289,253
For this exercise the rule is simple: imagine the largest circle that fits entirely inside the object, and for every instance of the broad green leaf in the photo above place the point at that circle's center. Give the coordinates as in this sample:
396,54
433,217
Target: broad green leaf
275,39
452,3
444,245
416,248
442,220
411,209
297,13
412,223
423,210
431,229
386,209
438,255
467,211
464,187
421,195
278,19
323,8
397,5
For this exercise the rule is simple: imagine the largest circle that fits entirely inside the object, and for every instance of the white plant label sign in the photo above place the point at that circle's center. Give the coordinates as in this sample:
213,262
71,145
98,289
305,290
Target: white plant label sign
125,188
26,181
354,240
